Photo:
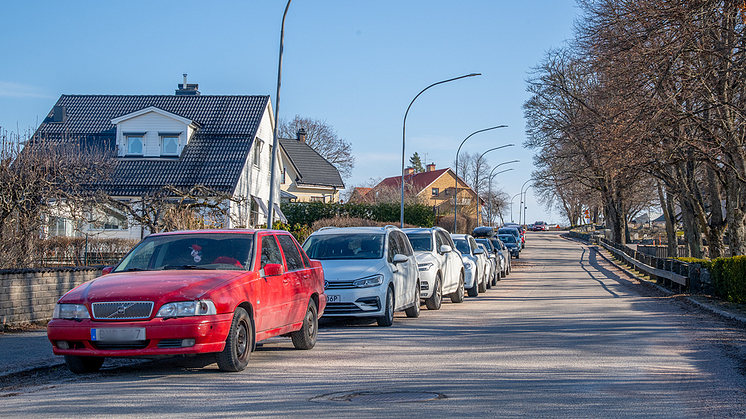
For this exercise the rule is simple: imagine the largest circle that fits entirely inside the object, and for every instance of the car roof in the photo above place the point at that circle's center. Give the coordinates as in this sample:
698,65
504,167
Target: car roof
353,230
460,236
215,231
417,230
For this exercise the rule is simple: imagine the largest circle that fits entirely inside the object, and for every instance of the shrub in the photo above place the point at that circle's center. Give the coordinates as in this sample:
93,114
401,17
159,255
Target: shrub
728,276
307,213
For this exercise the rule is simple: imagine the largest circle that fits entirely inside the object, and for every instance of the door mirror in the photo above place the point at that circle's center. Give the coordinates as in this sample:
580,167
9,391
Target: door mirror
107,270
273,269
399,258
478,251
445,249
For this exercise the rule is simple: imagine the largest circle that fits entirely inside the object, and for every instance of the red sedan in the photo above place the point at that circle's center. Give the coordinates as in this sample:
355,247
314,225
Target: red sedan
193,292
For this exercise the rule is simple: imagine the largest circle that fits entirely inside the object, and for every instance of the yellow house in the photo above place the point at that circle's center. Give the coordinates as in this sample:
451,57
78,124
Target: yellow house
306,176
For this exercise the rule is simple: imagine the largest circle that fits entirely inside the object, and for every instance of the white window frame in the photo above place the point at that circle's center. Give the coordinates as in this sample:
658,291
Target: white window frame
127,137
165,135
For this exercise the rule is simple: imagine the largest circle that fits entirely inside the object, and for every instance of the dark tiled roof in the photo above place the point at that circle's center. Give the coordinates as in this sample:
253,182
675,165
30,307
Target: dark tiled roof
214,157
312,169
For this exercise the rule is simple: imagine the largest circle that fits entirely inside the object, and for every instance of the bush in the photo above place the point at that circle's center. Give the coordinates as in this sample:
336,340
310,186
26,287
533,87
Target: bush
728,276
307,213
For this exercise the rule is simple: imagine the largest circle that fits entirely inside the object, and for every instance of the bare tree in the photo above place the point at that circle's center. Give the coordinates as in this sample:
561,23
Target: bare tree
323,138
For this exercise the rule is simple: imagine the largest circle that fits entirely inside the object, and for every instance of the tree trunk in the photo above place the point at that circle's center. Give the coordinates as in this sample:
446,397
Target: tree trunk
668,214
692,229
736,215
717,222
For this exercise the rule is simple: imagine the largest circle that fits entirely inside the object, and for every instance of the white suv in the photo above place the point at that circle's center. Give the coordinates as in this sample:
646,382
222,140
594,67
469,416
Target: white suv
476,264
441,267
369,272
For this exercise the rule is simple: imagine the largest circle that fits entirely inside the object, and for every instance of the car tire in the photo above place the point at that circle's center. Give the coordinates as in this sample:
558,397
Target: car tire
458,295
414,311
483,285
305,338
518,256
84,364
435,300
388,313
239,343
474,291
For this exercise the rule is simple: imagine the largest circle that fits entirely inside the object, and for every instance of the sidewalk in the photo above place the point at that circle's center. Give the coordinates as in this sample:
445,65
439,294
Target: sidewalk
23,351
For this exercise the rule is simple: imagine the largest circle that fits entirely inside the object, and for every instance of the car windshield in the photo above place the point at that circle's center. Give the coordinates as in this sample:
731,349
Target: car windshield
512,231
463,246
190,251
496,243
344,246
486,244
507,238
421,242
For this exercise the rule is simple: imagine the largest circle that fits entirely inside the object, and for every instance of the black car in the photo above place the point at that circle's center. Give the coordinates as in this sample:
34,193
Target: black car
509,241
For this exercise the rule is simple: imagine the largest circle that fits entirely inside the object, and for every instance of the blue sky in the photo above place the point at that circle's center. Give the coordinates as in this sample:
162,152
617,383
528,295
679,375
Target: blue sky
355,64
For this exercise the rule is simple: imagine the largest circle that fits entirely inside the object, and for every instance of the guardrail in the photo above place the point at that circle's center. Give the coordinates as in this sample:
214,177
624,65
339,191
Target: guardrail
691,277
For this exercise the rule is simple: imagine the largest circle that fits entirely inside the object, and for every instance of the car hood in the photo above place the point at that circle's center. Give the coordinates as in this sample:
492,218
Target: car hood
424,257
347,269
150,286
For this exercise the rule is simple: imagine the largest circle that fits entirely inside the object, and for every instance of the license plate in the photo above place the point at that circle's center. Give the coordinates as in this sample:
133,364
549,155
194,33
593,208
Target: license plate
118,334
333,298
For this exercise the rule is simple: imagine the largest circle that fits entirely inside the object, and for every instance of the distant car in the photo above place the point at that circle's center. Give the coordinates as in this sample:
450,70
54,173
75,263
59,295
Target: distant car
475,263
487,234
370,272
521,232
440,265
515,232
492,265
500,264
511,243
539,226
193,292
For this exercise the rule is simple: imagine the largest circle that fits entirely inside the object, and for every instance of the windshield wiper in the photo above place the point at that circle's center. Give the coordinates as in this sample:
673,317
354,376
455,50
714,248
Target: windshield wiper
134,269
169,267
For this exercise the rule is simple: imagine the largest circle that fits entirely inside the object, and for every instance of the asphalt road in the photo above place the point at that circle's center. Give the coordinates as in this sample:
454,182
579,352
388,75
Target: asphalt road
566,335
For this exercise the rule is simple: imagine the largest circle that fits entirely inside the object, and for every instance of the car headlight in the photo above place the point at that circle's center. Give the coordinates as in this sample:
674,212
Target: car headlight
372,281
70,312
468,264
425,266
187,308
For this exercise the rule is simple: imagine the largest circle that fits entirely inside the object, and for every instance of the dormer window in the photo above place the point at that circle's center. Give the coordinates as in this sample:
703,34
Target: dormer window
169,144
134,143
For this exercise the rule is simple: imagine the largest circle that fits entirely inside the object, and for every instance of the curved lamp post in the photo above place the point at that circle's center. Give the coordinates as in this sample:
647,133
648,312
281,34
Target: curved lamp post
272,187
476,179
404,137
455,192
511,206
519,209
489,184
524,203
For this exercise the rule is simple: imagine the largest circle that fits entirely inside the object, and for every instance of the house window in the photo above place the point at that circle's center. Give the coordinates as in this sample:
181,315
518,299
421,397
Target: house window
282,179
169,145
318,199
135,144
435,192
257,152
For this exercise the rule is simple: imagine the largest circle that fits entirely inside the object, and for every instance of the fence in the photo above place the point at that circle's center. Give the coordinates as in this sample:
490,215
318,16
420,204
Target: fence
29,295
669,272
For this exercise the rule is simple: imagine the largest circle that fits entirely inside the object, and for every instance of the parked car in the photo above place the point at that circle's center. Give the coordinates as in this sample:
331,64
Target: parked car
521,231
492,266
370,272
515,232
475,263
193,292
440,265
504,251
485,235
511,243
500,266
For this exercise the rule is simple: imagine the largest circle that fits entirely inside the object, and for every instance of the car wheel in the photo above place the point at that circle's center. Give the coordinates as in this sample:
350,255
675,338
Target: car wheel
483,284
238,345
518,256
414,311
305,338
388,313
458,295
474,290
433,303
84,364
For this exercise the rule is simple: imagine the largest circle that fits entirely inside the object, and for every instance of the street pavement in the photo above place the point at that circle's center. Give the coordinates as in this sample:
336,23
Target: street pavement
566,335
23,351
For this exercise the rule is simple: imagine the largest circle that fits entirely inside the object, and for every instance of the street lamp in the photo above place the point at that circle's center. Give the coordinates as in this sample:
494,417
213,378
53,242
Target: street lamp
511,205
524,203
275,141
476,179
489,185
404,136
455,192
519,209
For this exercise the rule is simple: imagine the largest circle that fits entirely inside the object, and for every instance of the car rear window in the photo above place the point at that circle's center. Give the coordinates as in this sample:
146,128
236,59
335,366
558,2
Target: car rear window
507,238
344,246
190,251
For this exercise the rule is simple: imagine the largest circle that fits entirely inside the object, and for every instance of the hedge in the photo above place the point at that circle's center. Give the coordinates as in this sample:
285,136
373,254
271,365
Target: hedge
727,277
306,213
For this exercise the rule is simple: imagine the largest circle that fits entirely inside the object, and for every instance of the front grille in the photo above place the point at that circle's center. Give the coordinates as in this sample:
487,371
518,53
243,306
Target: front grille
121,346
170,343
127,310
342,308
338,285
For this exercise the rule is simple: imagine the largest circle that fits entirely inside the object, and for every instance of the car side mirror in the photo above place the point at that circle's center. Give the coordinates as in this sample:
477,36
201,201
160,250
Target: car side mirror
399,258
446,249
107,270
478,251
273,269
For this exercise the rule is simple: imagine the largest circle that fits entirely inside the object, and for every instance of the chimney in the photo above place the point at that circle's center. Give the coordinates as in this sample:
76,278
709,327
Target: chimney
301,135
187,89
409,171
430,167
59,114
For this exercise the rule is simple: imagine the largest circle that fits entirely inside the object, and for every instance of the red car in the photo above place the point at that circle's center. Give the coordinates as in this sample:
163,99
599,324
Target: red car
193,292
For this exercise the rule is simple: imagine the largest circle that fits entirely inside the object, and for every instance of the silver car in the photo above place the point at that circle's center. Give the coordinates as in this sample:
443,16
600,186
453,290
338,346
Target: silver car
475,263
440,265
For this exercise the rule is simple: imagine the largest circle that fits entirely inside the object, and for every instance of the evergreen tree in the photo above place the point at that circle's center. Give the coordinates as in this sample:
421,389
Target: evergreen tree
416,163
